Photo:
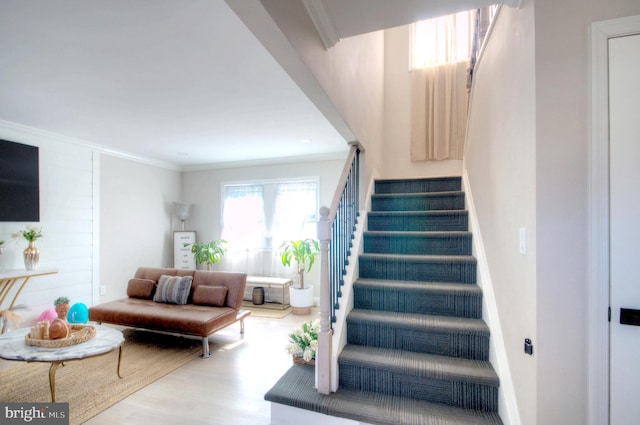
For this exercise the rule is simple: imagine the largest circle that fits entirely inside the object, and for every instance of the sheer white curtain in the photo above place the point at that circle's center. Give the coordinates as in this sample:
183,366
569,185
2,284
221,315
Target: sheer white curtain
258,217
439,98
243,224
295,217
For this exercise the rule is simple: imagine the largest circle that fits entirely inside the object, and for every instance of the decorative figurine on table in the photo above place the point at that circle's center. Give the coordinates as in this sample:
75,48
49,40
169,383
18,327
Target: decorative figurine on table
62,307
60,328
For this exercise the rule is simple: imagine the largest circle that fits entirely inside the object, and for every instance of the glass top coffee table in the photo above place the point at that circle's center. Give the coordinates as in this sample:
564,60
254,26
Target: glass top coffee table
13,347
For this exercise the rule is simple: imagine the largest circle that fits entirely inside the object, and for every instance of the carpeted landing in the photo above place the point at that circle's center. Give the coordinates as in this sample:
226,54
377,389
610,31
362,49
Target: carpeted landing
369,407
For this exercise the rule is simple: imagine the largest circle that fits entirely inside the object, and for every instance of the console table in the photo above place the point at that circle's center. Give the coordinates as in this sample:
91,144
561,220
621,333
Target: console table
271,282
13,282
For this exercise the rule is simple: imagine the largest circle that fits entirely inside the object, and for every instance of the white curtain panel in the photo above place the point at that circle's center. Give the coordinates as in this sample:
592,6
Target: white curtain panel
441,54
439,101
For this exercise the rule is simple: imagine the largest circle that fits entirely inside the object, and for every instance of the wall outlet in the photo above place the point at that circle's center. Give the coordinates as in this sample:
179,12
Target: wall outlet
523,241
103,289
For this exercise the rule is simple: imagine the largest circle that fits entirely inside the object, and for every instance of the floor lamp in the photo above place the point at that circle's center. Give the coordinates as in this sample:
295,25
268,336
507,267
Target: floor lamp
182,211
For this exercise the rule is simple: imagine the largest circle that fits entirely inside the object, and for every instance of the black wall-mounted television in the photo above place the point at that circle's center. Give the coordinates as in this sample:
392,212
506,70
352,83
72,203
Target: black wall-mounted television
19,182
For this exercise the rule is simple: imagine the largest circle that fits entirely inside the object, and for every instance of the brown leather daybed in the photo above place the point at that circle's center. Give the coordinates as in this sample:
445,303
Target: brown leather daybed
189,302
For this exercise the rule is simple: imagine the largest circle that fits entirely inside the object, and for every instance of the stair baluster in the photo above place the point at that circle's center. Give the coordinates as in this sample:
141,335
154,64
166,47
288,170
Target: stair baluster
335,232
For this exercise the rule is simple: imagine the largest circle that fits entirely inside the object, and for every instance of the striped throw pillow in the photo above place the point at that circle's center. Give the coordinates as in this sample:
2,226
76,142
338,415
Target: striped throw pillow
173,289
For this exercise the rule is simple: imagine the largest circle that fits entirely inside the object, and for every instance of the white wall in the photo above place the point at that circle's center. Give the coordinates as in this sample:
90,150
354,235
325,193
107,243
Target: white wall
203,189
136,220
500,163
101,217
67,219
562,205
396,149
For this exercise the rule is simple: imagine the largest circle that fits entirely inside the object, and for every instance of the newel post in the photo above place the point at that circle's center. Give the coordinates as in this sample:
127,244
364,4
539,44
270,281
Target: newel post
323,359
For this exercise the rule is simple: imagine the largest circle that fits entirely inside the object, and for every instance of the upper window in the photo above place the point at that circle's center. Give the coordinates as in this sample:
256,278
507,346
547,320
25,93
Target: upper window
442,40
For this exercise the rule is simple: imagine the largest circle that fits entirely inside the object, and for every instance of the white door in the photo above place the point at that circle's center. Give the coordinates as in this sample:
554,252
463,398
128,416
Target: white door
624,190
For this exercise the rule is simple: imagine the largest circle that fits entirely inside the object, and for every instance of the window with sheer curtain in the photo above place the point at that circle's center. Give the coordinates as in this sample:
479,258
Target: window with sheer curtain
259,217
442,40
441,51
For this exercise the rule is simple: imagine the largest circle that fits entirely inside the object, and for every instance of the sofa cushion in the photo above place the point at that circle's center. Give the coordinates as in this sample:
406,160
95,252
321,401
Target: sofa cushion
154,273
141,288
189,319
214,296
173,289
234,282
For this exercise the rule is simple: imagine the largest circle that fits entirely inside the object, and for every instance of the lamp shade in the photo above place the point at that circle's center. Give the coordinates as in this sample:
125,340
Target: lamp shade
182,211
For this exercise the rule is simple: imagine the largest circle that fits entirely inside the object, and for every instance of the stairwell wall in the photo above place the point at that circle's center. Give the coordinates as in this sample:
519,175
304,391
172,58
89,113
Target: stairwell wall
562,201
500,164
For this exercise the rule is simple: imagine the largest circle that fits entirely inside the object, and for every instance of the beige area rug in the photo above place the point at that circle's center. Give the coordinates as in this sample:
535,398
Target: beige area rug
92,385
270,310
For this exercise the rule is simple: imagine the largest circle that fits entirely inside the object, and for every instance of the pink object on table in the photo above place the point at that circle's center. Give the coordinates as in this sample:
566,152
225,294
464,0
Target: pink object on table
48,315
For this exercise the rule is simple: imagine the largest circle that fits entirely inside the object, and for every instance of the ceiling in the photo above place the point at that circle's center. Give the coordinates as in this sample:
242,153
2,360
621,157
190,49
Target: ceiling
179,82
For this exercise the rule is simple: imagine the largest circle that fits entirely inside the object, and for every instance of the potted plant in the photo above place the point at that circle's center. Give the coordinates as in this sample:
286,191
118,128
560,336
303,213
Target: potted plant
303,252
209,252
31,253
303,342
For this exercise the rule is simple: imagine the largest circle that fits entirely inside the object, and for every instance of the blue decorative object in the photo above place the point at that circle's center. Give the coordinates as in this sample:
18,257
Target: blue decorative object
78,313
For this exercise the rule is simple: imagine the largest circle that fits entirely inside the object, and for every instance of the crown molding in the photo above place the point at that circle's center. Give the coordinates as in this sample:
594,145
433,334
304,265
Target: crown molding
35,136
267,162
319,14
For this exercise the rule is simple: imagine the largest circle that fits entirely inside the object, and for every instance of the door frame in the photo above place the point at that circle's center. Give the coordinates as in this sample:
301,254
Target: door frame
599,296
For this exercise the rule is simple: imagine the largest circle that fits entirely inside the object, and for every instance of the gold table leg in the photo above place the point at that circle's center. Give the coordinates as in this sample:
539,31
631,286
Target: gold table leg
52,379
54,367
119,359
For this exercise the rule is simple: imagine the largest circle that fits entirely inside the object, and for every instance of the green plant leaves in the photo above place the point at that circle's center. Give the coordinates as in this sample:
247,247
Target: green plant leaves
209,252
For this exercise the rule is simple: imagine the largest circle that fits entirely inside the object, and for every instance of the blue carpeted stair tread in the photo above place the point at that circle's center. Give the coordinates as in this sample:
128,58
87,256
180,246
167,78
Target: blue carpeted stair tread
418,201
419,321
470,384
420,364
442,220
417,194
417,243
418,233
437,298
418,286
445,268
422,258
436,184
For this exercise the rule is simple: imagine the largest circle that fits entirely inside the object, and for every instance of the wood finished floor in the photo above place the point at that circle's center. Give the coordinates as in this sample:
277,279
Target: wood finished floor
226,389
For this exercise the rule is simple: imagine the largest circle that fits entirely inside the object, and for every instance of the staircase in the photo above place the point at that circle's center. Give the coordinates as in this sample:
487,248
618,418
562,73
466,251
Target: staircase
417,348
